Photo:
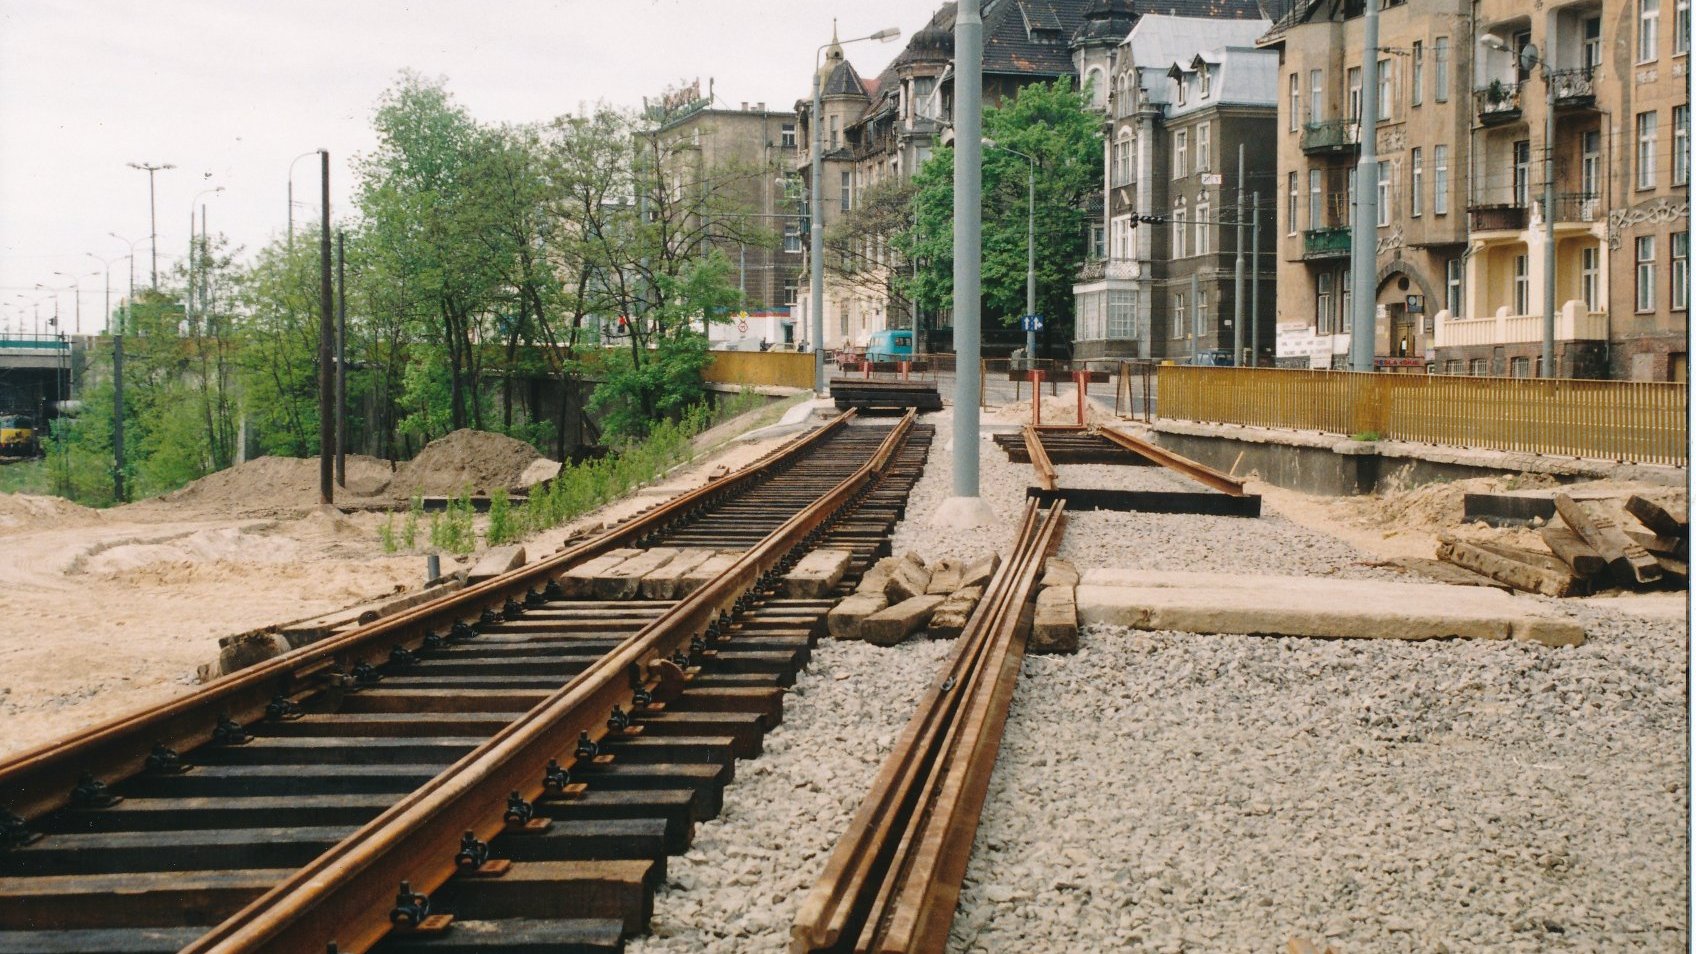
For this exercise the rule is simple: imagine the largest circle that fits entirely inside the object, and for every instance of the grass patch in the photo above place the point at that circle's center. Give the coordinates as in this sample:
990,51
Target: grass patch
26,477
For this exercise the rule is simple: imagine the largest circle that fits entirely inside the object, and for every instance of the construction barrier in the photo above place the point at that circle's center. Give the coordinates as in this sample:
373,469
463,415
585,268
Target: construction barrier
1639,421
784,369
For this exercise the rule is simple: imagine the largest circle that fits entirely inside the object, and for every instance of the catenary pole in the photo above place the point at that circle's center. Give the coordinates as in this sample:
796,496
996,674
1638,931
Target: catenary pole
968,249
341,358
1363,244
1237,293
816,233
1254,290
326,337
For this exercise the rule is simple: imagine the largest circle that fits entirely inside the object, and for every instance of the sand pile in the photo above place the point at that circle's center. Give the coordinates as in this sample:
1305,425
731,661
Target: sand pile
28,511
466,460
1056,409
269,484
222,545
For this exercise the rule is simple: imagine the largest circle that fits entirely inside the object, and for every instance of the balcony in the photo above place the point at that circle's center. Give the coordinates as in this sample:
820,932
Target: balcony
1320,244
1572,323
1578,207
1574,89
1111,269
1497,218
1498,102
1333,137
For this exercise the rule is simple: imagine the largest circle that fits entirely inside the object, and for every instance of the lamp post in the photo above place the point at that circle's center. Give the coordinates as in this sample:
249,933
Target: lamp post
1529,58
1363,239
296,159
75,288
152,210
188,299
107,264
1030,241
129,308
816,212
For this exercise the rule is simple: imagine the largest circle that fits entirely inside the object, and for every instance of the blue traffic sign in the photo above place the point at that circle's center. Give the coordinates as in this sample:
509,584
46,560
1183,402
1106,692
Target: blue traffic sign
1030,322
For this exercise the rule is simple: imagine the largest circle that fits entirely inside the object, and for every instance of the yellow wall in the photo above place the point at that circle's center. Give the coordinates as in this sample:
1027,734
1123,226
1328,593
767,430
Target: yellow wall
788,369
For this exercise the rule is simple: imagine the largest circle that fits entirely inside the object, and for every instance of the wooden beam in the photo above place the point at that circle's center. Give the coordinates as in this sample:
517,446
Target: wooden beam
1046,477
1623,554
1572,549
1663,521
1529,577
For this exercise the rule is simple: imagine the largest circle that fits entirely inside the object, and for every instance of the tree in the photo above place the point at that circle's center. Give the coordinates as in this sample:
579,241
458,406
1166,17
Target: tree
864,251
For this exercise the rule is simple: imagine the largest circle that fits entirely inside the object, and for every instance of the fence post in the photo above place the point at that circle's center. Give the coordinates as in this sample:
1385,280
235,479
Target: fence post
1036,398
1082,377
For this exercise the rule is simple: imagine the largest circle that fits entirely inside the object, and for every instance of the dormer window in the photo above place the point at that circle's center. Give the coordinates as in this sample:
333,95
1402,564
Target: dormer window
1183,89
1206,80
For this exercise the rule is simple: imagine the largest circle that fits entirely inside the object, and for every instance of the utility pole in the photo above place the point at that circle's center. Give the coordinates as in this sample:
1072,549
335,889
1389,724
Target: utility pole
341,358
968,507
815,215
1237,303
326,338
1030,259
152,213
1254,290
1363,245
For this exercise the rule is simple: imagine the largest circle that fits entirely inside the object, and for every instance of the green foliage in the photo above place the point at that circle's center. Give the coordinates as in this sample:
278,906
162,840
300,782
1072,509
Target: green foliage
502,528
386,533
452,530
409,525
1367,436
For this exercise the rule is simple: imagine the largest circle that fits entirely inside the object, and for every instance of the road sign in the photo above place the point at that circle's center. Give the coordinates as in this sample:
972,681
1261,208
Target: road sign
1212,178
1030,322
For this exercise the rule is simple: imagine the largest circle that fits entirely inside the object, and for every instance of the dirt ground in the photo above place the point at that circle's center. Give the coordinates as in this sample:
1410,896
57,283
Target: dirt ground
105,612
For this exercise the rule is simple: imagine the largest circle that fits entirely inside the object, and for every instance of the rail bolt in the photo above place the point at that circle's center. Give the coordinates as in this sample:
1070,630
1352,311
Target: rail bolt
14,831
431,642
91,792
229,732
366,674
586,747
472,852
410,907
164,760
401,656
281,708
461,630
488,617
553,591
619,720
518,811
512,609
534,598
555,778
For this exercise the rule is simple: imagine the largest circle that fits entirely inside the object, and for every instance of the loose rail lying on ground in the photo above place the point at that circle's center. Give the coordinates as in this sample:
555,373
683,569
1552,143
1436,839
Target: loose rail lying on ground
893,880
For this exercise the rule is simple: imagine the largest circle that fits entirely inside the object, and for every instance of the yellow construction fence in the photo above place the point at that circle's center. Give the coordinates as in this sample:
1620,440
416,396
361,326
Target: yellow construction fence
786,369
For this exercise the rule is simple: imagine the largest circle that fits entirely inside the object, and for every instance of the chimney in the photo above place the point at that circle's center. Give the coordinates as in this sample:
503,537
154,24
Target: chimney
760,106
744,106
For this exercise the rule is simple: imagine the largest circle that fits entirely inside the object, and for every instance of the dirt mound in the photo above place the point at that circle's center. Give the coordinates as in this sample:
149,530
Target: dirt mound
466,460
224,545
269,484
1056,409
28,511
1440,505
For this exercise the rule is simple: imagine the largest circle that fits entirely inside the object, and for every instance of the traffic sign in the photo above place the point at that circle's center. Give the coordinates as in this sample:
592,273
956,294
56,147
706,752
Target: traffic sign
1030,322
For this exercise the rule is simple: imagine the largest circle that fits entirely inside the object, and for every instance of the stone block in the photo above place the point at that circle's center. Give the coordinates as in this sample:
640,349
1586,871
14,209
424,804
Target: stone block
950,618
578,583
878,575
945,576
887,627
663,583
624,581
247,649
1055,628
817,573
700,576
845,618
978,574
1059,573
496,561
907,579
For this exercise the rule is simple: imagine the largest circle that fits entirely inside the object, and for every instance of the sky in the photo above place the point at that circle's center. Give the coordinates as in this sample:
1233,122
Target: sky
231,92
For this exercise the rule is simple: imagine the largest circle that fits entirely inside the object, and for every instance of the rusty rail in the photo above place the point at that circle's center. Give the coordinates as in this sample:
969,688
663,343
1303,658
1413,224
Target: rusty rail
1194,470
893,880
345,895
40,780
1046,477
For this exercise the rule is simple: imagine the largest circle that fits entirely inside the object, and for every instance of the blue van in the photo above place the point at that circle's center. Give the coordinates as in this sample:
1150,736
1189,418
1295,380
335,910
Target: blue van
892,345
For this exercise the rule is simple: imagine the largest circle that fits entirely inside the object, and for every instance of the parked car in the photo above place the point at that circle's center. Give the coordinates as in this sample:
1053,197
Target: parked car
891,345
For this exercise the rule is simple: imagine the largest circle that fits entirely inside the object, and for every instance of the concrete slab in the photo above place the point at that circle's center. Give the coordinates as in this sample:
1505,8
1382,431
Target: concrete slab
1055,627
1313,607
662,584
624,581
579,581
817,573
495,562
887,627
846,617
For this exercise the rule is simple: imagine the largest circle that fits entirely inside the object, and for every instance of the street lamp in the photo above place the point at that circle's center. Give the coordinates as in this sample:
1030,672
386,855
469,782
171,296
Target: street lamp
1529,58
107,263
152,216
129,308
188,298
817,210
296,159
76,288
1030,244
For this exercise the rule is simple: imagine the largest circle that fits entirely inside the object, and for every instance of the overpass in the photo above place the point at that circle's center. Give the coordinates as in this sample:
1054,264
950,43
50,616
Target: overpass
34,372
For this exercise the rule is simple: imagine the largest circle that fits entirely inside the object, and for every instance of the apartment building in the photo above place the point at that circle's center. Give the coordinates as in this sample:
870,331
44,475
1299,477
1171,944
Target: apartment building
1423,143
1184,92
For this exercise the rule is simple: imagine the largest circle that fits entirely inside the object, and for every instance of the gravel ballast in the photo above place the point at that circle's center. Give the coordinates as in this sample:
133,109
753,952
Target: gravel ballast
1171,792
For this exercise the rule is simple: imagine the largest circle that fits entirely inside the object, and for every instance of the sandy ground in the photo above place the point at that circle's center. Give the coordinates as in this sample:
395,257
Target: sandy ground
106,612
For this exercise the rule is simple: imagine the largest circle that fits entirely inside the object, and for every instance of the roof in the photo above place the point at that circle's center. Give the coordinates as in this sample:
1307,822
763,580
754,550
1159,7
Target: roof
1239,76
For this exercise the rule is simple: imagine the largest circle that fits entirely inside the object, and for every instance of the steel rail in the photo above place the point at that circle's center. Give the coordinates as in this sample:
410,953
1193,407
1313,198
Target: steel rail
894,877
39,780
1046,477
344,896
1194,470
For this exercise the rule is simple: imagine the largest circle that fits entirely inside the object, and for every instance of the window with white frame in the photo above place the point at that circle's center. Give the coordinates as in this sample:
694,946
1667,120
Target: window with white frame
1519,366
1680,27
1315,201
787,136
1590,164
1681,144
1354,94
1440,179
1294,201
1180,320
1097,240
1386,89
1478,367
1383,194
1453,270
1122,237
1180,154
1645,246
1521,285
1646,129
1416,94
1203,231
1315,95
1648,29
1121,312
791,291
1346,300
846,185
1590,52
1680,271
1590,277
1416,194
1180,230
1322,303
1440,69
1206,78
792,235
1295,102
1200,311
1203,148
1522,173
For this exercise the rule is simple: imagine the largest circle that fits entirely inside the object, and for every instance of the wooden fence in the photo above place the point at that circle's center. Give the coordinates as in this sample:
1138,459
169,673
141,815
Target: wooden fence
787,369
1640,421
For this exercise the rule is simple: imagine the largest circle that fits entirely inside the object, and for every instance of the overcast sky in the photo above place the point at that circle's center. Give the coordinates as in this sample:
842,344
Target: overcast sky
231,92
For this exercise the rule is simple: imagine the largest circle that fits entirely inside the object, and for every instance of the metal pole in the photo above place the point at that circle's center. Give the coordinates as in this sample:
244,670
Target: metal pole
1030,256
1548,219
1254,290
1237,303
1195,318
968,239
1363,246
153,224
817,234
341,358
326,337
118,415
291,208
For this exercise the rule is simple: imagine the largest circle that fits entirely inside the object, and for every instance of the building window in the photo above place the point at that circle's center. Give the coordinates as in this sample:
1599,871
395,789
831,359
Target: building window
1418,78
1344,316
792,236
1416,198
842,320
1521,285
1201,315
1315,95
847,190
833,132
1451,366
791,292
1119,314
1315,201
1290,212
1322,303
1122,160
1383,194
1440,63
1519,367
1354,94
1295,102
787,137
1681,144
1206,80
1180,153
1645,273
1680,27
1440,179
1646,123
1522,173
1592,48
1590,164
1648,28
1680,270
1097,240
1589,276
1386,89
1203,231
1453,273
1180,321
1180,230
1203,148
1477,367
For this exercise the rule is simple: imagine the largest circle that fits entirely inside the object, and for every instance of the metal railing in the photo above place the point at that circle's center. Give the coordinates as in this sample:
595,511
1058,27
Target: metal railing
1325,243
1578,207
1499,101
1331,135
1505,217
1574,87
1640,421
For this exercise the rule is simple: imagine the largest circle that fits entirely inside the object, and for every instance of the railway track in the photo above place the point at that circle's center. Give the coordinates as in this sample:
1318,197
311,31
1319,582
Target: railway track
507,760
